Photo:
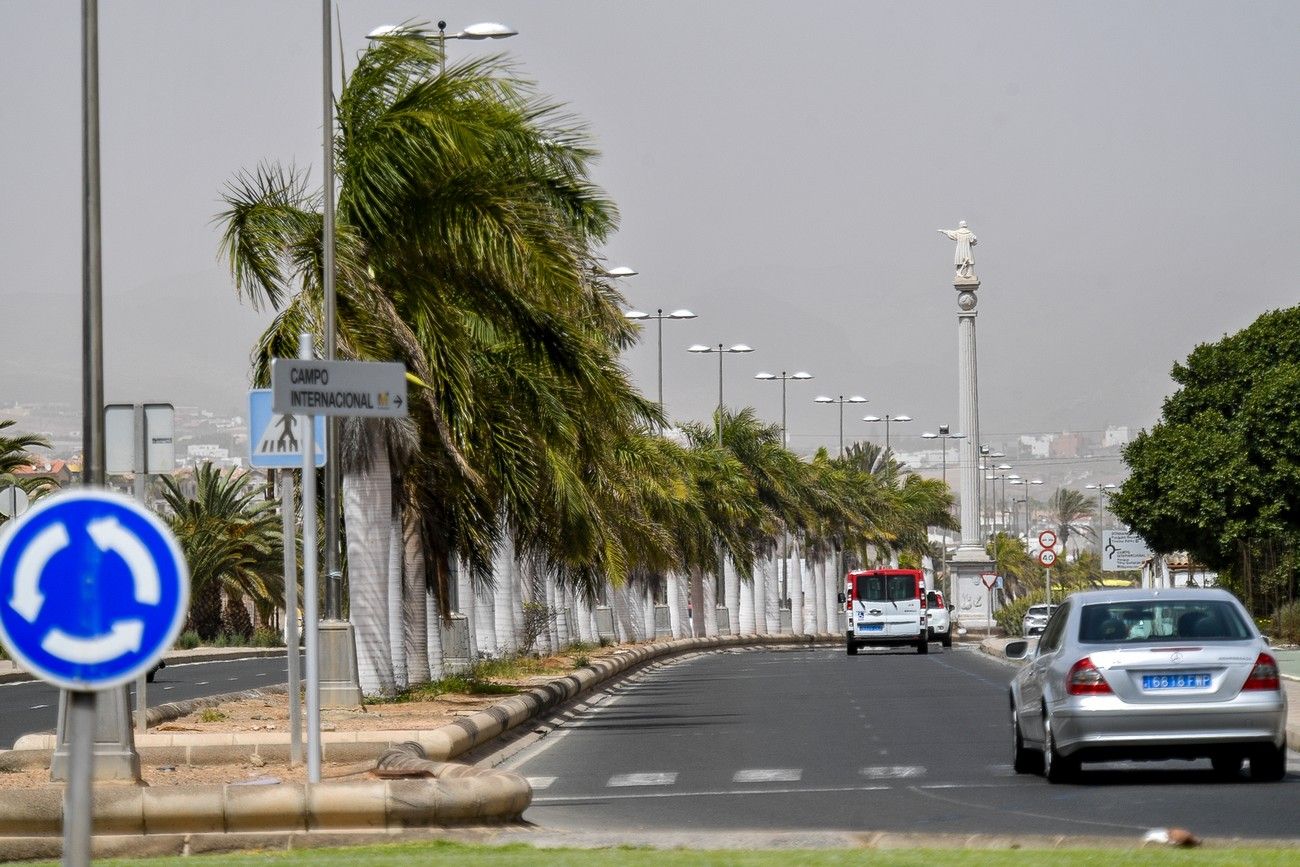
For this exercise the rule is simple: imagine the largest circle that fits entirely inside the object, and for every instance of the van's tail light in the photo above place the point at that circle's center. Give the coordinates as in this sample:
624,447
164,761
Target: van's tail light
1085,679
1264,674
848,596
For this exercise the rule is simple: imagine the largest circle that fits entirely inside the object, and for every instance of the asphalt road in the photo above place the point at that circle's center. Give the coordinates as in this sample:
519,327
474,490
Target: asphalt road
885,741
33,707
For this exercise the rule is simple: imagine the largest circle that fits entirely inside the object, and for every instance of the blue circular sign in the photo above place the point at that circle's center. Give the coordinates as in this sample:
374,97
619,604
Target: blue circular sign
93,589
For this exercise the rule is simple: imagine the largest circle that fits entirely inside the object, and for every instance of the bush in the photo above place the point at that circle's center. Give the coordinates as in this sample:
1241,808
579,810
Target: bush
188,641
1286,623
211,715
537,620
265,636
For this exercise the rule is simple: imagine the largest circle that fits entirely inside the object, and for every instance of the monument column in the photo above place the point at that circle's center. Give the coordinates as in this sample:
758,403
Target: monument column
970,561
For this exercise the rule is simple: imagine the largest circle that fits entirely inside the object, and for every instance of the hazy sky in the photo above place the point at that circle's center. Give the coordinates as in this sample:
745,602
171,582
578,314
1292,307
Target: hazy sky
1131,172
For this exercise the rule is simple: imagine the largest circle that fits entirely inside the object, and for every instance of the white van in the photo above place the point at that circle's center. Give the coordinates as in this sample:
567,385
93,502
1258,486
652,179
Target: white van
885,607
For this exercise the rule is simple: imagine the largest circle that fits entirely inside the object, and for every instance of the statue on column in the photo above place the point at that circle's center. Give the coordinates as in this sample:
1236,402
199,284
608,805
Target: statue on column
963,258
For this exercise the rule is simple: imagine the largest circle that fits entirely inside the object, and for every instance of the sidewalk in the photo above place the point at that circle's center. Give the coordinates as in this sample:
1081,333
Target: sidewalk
11,673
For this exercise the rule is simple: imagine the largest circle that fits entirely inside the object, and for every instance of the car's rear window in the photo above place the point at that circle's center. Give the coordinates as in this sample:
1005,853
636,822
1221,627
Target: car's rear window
1160,620
885,588
1040,610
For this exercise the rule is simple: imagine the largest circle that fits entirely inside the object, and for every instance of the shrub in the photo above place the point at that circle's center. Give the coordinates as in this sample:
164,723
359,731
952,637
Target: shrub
188,640
1010,617
265,636
1286,623
581,661
538,617
211,715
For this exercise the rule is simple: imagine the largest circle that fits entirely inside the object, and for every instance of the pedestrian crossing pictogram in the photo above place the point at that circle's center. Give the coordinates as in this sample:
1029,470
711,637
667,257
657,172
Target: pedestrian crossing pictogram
275,439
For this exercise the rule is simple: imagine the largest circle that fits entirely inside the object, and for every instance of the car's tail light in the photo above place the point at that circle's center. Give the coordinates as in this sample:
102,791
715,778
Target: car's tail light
1264,674
1085,679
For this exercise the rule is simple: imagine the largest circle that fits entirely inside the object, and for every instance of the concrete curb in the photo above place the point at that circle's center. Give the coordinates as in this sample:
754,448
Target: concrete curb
460,795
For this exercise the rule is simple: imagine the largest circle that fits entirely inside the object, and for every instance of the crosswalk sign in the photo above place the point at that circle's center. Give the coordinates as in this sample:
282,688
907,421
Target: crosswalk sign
274,440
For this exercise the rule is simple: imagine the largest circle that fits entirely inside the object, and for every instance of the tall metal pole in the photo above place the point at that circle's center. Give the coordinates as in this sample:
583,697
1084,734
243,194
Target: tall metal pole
841,425
311,616
77,802
290,557
333,573
719,395
660,317
886,431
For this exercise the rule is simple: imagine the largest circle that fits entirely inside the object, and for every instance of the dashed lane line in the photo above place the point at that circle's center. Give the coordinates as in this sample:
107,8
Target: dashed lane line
665,778
768,775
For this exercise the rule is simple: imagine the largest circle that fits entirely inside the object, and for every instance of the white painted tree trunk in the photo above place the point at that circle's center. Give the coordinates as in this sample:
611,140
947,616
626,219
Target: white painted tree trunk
710,587
397,604
772,598
368,507
648,613
819,577
582,614
834,580
679,592
485,622
758,580
731,593
748,623
796,589
433,638
618,601
416,598
697,603
503,602
465,605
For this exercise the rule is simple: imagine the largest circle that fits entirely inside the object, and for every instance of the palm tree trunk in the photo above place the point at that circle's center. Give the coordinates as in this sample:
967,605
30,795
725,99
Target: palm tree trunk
748,622
833,580
465,605
582,614
710,585
416,597
772,594
433,638
796,588
819,581
697,602
396,602
731,594
485,623
367,505
503,602
648,612
758,581
676,592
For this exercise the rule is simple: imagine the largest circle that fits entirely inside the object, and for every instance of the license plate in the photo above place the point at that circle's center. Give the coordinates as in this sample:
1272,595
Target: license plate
1175,681
871,627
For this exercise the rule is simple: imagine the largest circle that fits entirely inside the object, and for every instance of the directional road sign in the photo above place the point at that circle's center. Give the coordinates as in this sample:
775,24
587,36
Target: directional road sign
93,589
305,386
1123,550
1047,539
1046,557
274,440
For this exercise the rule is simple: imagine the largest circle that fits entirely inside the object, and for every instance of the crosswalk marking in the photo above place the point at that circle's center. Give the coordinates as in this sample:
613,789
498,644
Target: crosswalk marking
653,779
768,775
540,782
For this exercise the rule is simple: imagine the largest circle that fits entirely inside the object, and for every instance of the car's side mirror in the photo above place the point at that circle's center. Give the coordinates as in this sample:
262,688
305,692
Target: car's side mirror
1017,649
839,597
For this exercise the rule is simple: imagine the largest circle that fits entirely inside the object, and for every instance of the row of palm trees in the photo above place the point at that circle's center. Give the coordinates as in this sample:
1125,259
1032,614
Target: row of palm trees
468,232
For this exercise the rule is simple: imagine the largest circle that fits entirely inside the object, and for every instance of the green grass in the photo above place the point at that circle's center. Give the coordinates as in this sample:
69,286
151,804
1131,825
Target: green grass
443,853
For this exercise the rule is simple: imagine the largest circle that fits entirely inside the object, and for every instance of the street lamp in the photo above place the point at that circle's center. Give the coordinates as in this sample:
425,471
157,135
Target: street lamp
784,377
1101,513
482,30
785,443
841,400
1026,483
995,512
659,315
944,435
887,419
721,350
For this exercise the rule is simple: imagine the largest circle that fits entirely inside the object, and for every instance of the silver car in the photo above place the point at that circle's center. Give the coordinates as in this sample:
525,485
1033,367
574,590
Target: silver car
1035,619
1149,675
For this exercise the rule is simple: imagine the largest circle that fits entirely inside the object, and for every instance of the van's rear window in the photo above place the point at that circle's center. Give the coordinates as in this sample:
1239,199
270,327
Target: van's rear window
885,588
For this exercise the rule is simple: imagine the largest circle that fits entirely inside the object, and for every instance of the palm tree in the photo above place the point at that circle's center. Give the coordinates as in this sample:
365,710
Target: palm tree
231,540
466,224
1066,509
14,455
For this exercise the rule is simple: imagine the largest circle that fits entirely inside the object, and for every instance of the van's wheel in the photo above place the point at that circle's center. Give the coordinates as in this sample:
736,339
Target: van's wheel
852,648
923,646
1268,764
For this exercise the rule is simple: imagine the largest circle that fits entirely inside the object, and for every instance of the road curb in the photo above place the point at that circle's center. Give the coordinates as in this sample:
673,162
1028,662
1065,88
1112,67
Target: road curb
460,795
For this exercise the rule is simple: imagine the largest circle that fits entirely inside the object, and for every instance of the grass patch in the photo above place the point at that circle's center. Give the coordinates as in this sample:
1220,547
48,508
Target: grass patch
443,853
212,715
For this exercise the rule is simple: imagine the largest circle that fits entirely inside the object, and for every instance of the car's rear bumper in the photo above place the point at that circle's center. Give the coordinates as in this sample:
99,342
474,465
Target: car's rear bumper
1104,726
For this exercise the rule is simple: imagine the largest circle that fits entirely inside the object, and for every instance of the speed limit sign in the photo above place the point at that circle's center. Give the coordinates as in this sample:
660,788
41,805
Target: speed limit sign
1047,539
1046,557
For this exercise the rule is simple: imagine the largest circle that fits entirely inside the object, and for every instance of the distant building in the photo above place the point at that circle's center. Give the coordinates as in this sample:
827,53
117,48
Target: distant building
1115,436
1037,446
1067,445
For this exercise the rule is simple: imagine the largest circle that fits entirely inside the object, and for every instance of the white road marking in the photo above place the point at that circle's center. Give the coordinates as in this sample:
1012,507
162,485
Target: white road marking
768,775
727,793
263,674
540,782
39,706
651,779
892,772
168,687
203,683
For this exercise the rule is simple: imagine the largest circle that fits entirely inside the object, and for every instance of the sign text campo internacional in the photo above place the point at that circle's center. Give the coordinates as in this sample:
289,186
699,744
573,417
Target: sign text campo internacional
310,387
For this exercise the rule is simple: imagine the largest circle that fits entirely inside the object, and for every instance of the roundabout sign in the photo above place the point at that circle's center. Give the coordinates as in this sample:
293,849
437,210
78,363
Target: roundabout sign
93,590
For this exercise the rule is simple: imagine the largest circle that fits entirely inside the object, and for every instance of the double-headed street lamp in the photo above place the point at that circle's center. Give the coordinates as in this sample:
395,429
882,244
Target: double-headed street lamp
996,511
721,350
1101,512
659,315
887,419
483,30
784,377
1026,483
785,443
945,436
841,400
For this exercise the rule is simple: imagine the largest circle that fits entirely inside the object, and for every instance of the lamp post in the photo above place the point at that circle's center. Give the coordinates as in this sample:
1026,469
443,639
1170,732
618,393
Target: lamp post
841,400
660,316
1101,513
944,435
785,444
995,510
1026,483
483,30
721,350
887,419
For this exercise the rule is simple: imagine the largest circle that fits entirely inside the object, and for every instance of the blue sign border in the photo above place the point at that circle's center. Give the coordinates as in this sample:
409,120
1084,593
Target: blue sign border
177,571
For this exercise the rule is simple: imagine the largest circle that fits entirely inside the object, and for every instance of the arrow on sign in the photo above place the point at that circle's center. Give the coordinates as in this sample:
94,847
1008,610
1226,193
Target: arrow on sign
126,635
27,598
109,535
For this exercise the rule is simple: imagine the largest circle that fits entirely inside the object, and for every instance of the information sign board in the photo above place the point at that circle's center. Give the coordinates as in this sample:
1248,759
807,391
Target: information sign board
1123,550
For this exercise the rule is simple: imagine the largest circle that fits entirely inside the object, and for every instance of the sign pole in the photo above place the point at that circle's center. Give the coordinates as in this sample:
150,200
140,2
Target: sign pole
1049,588
291,612
138,482
76,798
309,603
